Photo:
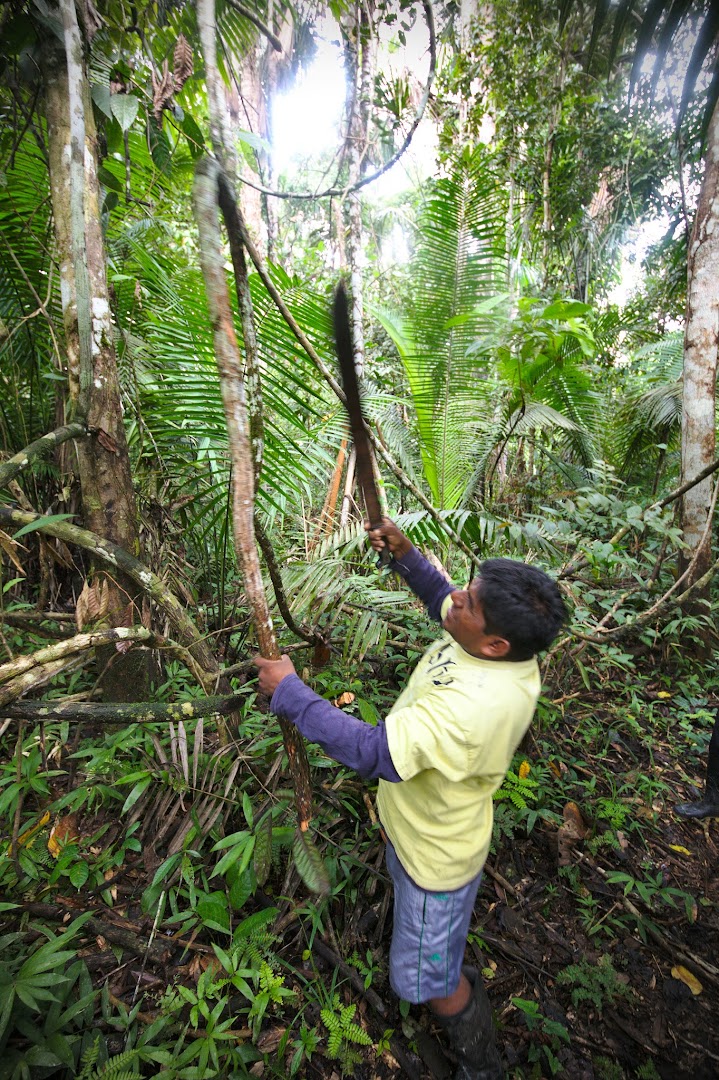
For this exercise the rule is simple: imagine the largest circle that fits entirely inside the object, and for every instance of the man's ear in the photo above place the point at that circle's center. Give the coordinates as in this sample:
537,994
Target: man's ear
495,648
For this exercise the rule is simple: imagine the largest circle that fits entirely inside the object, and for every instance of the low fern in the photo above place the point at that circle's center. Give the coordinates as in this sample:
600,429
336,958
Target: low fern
343,1032
519,790
113,1069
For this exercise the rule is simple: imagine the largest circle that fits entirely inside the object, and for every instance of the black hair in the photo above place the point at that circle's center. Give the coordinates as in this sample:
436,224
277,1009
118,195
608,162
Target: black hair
522,604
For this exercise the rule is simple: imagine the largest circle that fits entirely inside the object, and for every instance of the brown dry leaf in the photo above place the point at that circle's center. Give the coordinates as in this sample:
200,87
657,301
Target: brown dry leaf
64,831
201,962
101,942
183,65
107,442
87,608
270,1040
344,699
162,91
571,831
688,979
10,546
55,549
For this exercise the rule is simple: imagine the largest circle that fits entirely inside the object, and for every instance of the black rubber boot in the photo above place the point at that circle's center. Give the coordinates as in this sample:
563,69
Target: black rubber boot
471,1035
709,805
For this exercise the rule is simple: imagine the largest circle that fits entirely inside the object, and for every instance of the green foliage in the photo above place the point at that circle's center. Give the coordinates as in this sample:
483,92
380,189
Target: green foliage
598,983
553,1035
47,1000
343,1034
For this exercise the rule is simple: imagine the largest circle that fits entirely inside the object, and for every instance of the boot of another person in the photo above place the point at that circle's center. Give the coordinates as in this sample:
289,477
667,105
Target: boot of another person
471,1035
709,805
706,807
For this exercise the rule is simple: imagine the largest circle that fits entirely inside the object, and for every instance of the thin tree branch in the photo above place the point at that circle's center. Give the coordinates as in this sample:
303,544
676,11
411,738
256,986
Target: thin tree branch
573,567
263,540
10,468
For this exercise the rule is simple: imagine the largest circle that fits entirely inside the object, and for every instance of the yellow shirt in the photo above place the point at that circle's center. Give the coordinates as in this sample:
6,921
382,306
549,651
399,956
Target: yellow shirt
452,734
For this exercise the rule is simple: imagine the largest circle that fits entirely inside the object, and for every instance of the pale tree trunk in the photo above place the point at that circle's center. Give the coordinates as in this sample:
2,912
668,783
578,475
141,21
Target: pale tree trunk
360,48
253,117
211,189
467,15
103,465
701,344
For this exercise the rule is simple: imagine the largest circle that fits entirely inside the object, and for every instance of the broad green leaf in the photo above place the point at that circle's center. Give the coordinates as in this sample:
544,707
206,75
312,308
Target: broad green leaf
247,809
214,914
242,888
231,840
135,794
79,874
310,864
368,712
124,108
102,97
239,851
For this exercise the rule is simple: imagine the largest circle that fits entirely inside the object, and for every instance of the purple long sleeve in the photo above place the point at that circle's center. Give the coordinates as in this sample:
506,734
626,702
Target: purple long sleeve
344,738
424,581
348,740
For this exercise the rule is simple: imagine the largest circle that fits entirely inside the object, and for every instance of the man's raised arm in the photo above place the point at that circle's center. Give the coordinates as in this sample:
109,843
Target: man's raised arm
422,578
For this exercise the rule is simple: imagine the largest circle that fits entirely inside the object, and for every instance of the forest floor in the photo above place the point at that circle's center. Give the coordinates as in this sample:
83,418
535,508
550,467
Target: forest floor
598,938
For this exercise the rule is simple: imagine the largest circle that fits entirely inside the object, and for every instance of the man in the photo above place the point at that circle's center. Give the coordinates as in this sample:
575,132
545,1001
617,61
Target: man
441,753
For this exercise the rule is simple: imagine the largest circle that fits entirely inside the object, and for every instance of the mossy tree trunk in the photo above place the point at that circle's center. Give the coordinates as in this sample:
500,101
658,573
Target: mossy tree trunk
103,466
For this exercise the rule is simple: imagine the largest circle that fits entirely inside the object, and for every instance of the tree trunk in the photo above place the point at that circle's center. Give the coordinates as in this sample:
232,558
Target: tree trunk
701,342
103,464
360,53
211,188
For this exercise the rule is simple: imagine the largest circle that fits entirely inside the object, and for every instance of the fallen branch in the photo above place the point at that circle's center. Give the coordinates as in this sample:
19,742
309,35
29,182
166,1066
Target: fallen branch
134,712
76,644
14,465
126,938
107,552
673,949
37,677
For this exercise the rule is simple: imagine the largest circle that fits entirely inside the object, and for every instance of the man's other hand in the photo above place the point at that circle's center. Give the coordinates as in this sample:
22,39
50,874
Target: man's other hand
272,672
388,535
